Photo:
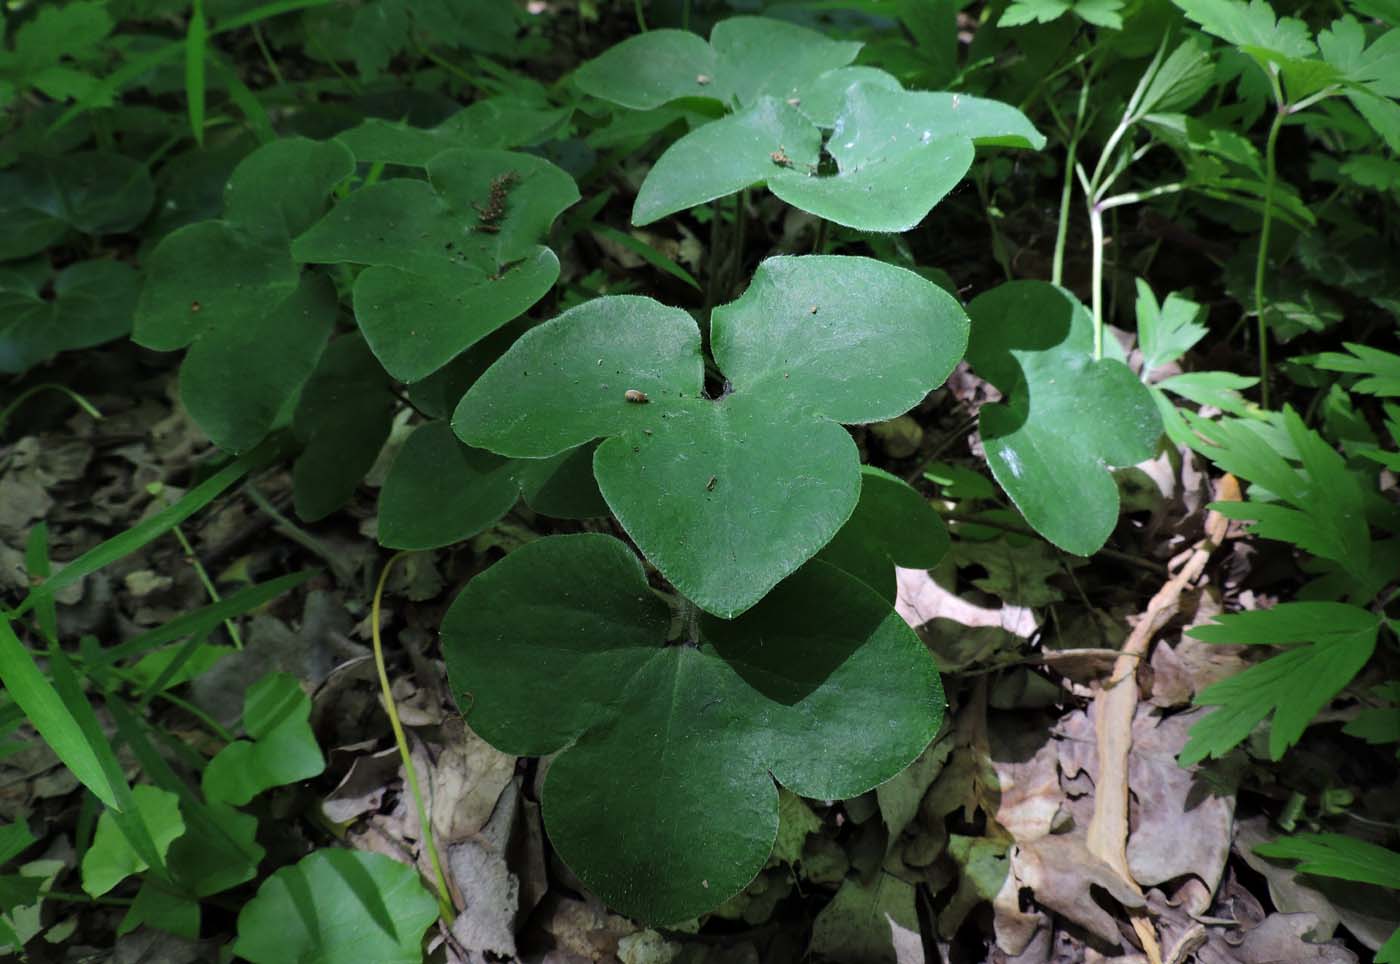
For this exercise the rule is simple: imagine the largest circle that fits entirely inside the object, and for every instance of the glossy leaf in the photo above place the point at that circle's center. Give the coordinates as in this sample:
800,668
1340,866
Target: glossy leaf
439,491
746,59
1066,418
111,859
92,303
897,154
282,750
449,260
337,907
661,799
725,496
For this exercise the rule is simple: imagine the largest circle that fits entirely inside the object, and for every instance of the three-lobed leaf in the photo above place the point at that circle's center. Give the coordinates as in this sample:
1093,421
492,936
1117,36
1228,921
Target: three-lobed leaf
662,799
446,261
725,496
1066,417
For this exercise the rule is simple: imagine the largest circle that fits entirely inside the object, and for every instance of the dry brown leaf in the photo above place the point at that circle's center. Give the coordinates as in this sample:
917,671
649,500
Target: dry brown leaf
1060,871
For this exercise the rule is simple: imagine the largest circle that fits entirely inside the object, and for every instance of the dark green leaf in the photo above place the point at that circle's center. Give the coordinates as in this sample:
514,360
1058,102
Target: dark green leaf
725,496
661,799
892,526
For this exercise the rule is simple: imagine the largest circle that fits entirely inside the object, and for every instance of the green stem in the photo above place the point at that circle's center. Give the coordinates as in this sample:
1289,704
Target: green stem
1057,264
267,55
1262,261
207,583
444,898
29,393
641,18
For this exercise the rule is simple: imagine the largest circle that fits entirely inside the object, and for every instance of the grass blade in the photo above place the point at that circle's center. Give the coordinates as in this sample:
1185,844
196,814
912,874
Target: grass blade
143,532
49,714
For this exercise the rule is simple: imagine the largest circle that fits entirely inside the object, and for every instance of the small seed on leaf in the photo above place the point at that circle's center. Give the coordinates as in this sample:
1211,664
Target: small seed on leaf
635,397
702,79
195,306
710,485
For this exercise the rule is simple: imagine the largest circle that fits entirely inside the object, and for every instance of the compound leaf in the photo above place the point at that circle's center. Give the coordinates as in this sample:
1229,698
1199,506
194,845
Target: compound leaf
337,907
661,799
448,260
725,496
1066,417
1337,855
1332,642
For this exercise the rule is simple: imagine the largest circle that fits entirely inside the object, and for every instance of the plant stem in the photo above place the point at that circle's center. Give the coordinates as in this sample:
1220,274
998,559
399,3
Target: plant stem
208,584
29,393
1096,242
444,899
1057,264
641,18
1262,261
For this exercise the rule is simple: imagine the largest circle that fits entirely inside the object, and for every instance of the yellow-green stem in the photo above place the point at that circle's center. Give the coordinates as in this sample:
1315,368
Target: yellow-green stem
444,898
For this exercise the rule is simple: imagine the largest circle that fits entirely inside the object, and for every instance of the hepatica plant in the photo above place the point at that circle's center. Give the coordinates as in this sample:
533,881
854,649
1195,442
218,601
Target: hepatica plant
781,666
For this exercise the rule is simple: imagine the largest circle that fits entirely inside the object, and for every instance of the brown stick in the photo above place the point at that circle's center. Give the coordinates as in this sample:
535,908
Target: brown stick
1117,702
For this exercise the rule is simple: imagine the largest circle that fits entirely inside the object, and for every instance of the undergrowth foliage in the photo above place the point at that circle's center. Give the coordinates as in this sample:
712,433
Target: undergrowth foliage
704,617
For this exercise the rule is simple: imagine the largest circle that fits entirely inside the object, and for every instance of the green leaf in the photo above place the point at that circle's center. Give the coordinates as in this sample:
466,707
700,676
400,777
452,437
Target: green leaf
1100,13
1375,68
897,155
1252,27
1066,418
218,850
1323,509
449,260
111,859
1166,331
651,69
93,192
47,713
343,418
163,909
892,526
439,491
196,37
92,302
237,380
661,799
1381,368
1337,855
725,156
1336,641
337,907
746,59
282,750
493,122
858,924
725,496
1183,78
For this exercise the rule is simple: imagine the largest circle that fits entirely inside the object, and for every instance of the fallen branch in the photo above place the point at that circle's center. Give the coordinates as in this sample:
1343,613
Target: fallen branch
1116,704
